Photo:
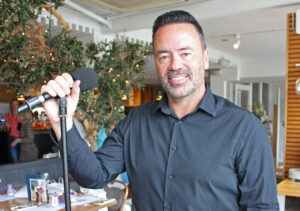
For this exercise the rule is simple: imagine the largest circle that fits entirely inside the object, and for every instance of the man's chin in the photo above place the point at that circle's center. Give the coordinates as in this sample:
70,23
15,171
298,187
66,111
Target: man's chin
178,94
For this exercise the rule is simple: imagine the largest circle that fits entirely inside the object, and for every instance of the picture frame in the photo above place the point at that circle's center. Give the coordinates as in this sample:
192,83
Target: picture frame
29,177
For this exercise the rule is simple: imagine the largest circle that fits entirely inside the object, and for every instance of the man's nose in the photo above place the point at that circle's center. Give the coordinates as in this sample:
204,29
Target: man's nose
176,62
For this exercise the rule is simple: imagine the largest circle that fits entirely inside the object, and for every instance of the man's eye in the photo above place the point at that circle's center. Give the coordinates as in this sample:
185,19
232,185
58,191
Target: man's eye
186,54
163,59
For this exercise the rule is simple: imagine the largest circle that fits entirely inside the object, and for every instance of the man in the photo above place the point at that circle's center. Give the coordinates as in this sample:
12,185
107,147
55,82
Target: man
191,150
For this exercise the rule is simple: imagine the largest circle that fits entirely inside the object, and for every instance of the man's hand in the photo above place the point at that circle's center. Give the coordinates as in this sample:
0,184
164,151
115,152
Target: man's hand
61,86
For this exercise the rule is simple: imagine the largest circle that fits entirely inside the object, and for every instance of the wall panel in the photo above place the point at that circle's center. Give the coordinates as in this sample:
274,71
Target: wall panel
292,121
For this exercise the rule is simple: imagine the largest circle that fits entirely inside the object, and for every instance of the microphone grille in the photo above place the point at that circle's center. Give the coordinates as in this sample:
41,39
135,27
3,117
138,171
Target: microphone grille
87,76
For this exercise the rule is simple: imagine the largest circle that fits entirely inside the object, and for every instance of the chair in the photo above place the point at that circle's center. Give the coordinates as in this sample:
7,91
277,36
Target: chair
118,190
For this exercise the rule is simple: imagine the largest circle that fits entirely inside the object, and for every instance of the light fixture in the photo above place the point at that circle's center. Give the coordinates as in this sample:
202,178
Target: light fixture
236,45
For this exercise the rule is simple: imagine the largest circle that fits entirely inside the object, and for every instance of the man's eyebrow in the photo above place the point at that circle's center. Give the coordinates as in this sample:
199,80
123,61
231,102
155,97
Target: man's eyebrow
185,48
162,51
180,49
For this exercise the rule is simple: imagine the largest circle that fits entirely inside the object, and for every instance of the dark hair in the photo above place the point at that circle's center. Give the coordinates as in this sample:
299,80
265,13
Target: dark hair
178,16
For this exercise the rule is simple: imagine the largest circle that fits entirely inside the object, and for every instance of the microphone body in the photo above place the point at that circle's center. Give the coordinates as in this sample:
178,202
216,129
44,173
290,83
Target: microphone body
34,102
88,80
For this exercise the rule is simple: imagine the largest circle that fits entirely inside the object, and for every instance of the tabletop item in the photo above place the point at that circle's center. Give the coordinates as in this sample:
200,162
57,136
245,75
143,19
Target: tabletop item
23,206
54,200
294,174
9,190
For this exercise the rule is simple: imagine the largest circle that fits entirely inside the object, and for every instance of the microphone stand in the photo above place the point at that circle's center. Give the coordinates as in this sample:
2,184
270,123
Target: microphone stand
62,102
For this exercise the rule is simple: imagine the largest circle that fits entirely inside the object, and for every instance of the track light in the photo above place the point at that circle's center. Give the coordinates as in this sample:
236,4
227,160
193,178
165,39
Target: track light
236,45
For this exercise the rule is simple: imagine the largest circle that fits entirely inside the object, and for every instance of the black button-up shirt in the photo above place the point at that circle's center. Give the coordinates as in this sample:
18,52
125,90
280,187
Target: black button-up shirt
216,158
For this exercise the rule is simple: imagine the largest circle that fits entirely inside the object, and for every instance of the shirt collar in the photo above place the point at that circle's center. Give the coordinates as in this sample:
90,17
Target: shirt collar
163,105
207,104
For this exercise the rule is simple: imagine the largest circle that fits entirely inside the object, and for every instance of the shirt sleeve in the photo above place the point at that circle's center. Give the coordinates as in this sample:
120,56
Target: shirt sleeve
93,169
255,168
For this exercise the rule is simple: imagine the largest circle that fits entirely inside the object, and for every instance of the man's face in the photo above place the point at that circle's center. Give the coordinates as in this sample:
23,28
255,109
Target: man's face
180,60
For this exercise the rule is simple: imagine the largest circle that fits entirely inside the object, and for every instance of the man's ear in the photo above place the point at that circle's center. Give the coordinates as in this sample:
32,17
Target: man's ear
206,59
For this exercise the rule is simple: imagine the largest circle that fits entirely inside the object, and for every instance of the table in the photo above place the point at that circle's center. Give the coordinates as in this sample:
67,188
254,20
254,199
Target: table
6,205
285,188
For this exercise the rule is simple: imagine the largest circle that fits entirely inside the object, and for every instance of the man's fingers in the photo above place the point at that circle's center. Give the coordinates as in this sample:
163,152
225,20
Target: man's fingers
75,91
68,78
53,85
63,84
49,90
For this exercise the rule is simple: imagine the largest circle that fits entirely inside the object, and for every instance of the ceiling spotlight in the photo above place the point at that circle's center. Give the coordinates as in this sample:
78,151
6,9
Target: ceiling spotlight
236,45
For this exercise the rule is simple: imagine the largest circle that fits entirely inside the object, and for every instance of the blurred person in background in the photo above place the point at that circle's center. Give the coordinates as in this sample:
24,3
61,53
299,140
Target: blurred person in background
13,125
29,150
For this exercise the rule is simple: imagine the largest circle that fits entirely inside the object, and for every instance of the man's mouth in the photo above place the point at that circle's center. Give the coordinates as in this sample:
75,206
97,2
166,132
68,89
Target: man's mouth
178,79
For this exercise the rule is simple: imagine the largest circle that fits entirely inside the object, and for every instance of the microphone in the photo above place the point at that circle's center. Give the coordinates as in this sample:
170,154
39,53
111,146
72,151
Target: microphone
88,80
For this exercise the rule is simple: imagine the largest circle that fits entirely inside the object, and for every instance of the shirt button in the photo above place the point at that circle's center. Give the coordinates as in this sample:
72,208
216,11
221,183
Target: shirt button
179,121
170,177
174,148
168,206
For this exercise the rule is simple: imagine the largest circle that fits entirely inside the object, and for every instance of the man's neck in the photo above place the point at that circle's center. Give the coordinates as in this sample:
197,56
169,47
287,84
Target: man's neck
186,105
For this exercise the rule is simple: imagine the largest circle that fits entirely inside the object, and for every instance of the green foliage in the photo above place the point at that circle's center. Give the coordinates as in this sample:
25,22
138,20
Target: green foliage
29,56
25,53
119,65
259,112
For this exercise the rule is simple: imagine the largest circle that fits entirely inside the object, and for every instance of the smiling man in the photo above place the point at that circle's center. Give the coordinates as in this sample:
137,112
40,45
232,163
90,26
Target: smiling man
192,150
181,62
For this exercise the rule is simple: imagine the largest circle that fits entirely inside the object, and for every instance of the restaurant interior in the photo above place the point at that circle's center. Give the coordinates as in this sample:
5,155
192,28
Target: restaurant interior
254,49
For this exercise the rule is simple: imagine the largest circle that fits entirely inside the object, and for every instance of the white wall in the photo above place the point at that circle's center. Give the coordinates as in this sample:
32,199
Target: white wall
218,83
274,66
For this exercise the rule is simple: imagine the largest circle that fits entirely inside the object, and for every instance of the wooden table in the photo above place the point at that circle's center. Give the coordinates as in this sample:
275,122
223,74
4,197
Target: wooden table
6,205
285,188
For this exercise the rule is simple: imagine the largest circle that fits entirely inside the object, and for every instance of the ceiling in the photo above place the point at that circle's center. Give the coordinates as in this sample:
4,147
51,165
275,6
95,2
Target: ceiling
261,24
116,7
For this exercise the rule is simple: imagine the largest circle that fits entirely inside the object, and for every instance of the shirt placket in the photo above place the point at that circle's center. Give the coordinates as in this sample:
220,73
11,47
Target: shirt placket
170,177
